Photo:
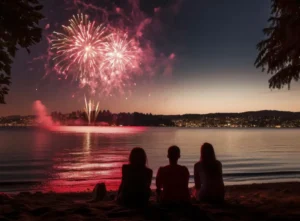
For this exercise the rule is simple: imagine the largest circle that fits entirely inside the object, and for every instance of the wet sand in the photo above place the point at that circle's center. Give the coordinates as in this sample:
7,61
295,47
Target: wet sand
273,201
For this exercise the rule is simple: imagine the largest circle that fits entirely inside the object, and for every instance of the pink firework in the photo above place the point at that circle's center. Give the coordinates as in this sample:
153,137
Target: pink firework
79,47
121,60
120,55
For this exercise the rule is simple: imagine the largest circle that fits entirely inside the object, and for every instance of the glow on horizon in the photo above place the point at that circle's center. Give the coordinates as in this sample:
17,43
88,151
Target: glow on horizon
174,96
97,129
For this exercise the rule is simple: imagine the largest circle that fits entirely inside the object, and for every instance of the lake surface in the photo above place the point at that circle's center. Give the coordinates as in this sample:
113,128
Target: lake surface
75,160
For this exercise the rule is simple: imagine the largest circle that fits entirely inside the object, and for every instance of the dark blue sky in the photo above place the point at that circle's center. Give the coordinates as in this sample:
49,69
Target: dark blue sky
215,46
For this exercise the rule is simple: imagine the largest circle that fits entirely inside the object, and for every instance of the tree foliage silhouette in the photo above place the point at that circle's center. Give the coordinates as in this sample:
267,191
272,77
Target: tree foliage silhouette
279,53
19,21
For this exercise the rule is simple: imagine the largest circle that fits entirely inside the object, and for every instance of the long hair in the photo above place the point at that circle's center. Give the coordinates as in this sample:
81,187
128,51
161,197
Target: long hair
207,154
138,157
208,158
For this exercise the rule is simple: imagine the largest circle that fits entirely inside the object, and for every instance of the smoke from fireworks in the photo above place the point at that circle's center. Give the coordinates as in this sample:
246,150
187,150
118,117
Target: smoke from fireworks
79,47
43,119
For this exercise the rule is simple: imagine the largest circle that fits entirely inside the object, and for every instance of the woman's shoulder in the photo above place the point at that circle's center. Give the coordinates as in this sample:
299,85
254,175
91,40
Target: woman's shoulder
125,166
148,170
130,167
219,162
198,164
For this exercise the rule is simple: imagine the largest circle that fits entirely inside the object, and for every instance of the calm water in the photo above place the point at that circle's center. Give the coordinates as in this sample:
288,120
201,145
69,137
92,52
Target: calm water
33,159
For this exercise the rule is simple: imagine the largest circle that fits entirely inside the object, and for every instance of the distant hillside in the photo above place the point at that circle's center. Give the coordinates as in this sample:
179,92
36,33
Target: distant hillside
255,114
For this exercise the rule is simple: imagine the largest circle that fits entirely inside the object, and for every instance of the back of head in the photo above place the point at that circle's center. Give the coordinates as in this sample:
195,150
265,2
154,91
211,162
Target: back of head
138,157
207,153
173,153
208,157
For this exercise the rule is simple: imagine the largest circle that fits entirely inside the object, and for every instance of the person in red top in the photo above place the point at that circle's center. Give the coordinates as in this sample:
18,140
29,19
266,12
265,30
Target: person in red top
172,180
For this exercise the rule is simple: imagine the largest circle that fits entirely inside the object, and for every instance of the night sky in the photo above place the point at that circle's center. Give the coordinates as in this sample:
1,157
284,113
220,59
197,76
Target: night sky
215,46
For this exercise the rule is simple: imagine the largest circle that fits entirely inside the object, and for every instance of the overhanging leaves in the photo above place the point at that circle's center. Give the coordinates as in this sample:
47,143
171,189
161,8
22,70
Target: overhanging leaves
19,21
279,53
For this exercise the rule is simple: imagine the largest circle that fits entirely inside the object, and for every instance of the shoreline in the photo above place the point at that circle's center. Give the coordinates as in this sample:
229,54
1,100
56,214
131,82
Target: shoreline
34,126
13,188
242,202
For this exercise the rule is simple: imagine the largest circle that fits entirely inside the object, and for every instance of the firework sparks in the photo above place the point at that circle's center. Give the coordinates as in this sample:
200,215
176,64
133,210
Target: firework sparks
102,59
79,47
120,54
91,110
121,60
94,54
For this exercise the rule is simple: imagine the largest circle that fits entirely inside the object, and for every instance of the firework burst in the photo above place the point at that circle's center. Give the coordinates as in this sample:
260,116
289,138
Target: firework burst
120,54
91,109
121,60
78,49
102,59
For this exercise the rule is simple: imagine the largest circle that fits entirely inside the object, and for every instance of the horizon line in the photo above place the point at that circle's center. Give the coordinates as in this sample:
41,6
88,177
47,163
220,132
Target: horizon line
169,114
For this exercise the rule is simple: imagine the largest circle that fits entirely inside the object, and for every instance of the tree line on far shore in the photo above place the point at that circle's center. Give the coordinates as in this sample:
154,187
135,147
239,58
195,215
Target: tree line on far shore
105,118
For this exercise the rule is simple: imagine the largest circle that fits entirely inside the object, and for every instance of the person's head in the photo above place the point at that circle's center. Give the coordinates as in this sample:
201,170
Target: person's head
173,154
207,153
138,157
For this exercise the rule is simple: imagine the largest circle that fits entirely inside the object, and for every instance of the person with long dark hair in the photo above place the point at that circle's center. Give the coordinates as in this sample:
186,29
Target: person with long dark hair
135,189
208,176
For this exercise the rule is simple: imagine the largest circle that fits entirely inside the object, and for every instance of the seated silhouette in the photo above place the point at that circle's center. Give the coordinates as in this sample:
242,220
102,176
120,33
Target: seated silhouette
208,176
134,190
172,180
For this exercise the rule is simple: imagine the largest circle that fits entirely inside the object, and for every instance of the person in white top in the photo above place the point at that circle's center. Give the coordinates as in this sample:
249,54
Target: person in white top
208,176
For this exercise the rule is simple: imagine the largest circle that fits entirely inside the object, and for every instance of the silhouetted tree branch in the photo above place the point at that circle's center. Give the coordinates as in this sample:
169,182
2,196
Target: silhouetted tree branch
279,53
19,21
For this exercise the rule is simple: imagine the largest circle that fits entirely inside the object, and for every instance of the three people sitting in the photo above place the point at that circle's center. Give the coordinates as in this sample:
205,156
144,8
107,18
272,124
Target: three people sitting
171,180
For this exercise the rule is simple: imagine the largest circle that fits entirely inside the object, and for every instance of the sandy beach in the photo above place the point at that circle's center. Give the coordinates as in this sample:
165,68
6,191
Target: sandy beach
273,201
